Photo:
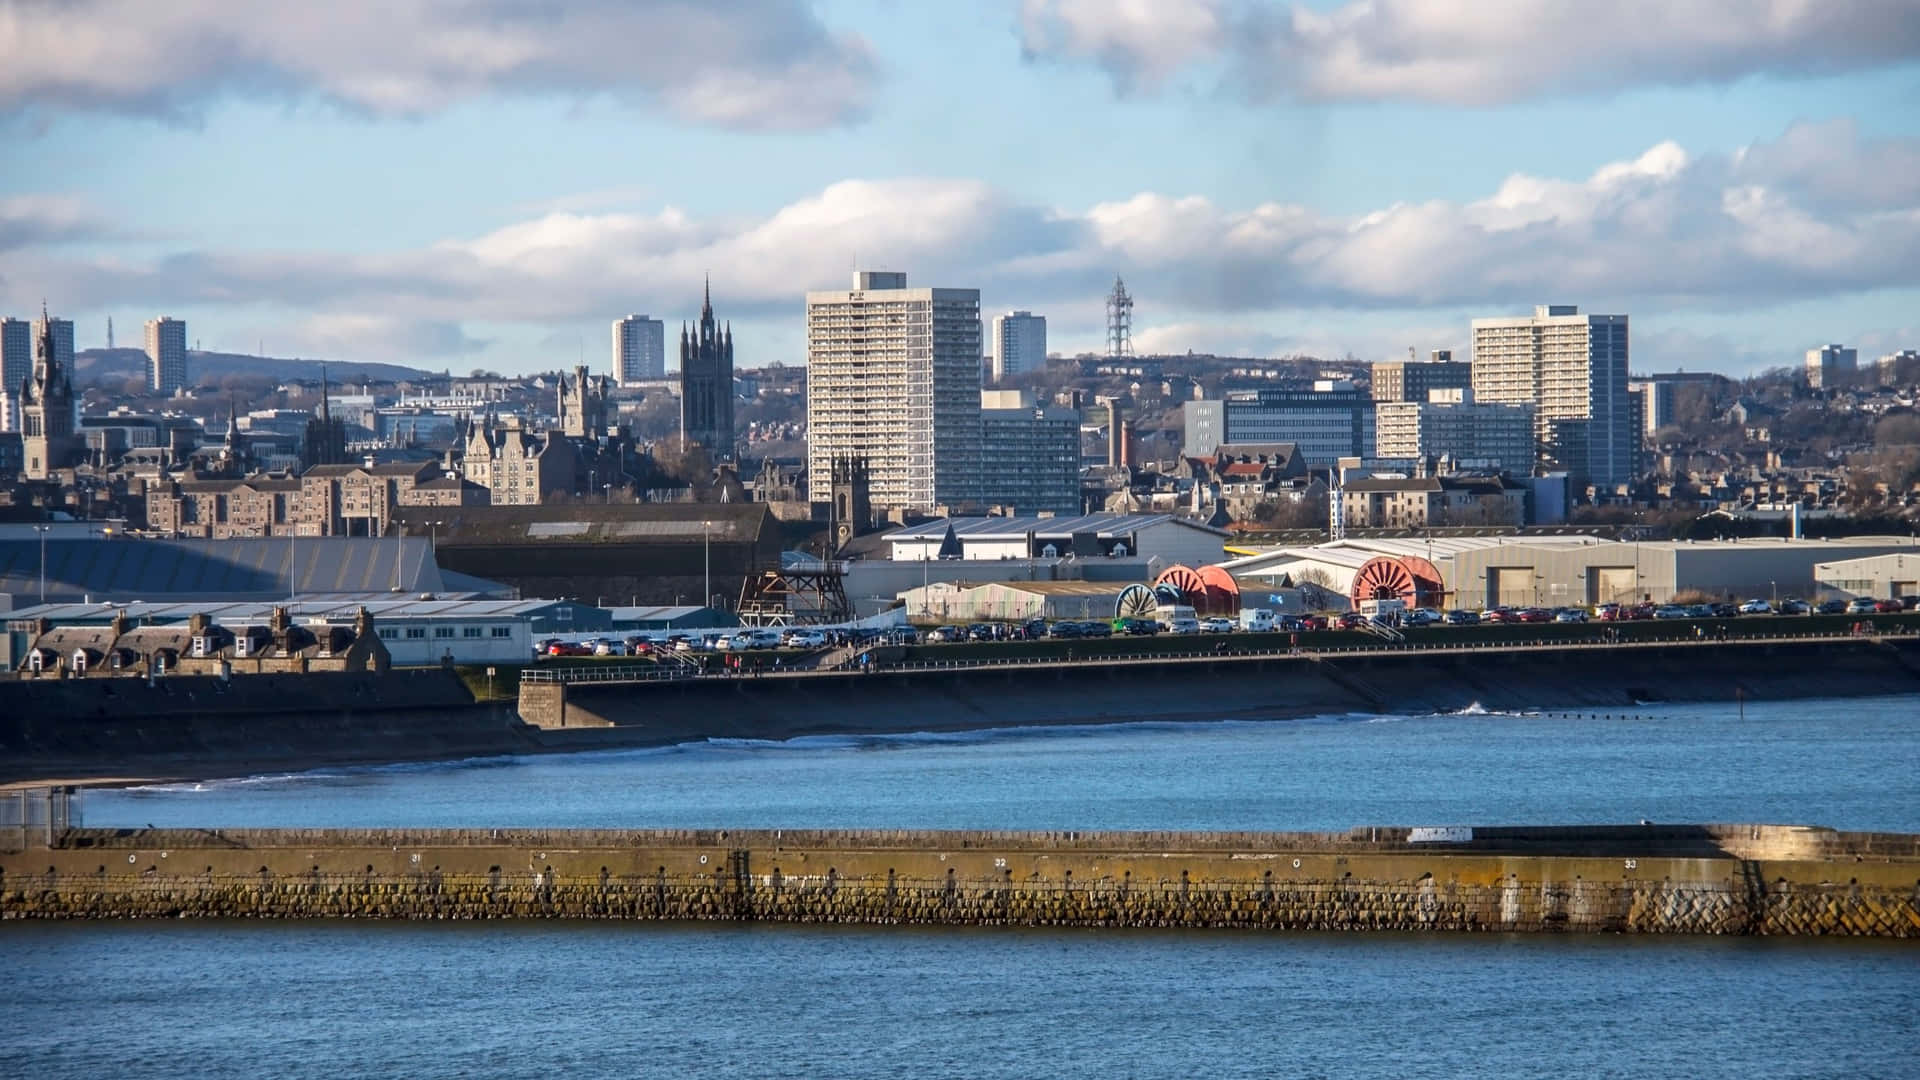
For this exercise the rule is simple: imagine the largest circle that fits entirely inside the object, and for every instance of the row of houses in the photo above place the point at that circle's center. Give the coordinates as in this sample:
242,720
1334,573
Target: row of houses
200,646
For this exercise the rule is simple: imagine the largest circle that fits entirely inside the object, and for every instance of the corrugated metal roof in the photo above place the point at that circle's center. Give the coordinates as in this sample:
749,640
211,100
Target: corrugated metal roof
1015,528
249,568
299,611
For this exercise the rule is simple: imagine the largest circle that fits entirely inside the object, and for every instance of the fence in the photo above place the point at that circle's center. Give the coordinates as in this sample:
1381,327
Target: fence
39,815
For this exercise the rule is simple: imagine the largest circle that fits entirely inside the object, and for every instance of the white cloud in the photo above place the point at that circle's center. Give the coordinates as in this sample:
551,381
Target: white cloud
44,219
1471,52
1141,43
1664,230
747,64
383,337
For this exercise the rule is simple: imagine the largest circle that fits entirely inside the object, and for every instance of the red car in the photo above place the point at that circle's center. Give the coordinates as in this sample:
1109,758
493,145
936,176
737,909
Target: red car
1611,613
568,648
1536,615
1350,619
1313,622
1887,607
1501,615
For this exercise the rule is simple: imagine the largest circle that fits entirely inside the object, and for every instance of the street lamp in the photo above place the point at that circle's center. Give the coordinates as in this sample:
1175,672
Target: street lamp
43,530
608,488
706,543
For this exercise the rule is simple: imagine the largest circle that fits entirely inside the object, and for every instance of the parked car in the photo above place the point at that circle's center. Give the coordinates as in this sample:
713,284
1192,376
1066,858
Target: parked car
1888,607
1216,625
1570,615
1501,615
1463,617
568,648
984,632
1315,622
1608,613
606,647
804,638
1833,607
1793,606
1756,606
1422,616
1670,611
945,635
1095,629
1065,628
1535,615
1725,610
1139,627
1350,620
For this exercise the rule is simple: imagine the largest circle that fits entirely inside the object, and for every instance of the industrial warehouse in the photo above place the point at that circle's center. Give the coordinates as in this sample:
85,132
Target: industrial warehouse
1579,571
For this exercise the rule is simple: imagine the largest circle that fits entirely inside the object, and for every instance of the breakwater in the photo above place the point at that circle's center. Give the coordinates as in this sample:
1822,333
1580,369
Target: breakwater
1278,685
1705,879
202,724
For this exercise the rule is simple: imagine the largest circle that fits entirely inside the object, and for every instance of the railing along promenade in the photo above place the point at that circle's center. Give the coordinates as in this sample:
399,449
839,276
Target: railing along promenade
681,671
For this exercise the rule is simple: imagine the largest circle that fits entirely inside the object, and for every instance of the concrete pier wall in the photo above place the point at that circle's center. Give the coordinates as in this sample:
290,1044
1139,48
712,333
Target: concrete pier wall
205,725
1260,687
1767,880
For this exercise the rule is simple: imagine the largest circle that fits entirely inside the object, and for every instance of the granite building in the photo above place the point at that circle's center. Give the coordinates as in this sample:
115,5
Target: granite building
706,383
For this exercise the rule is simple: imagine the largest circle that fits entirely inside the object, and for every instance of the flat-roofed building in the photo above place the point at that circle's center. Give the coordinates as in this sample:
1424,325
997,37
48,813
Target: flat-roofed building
1830,365
893,377
1412,381
1572,369
1029,454
1451,424
1331,421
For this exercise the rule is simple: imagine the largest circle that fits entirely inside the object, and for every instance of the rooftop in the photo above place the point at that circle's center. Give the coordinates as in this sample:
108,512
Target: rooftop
1013,528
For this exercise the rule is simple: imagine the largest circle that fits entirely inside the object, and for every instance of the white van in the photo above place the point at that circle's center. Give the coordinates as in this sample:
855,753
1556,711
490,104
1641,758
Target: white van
753,639
1258,620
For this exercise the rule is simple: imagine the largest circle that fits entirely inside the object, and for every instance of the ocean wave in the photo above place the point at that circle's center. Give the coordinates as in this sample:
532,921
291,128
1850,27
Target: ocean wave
331,774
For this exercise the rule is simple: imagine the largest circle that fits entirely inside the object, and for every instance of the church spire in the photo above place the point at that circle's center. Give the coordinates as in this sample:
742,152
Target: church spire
706,304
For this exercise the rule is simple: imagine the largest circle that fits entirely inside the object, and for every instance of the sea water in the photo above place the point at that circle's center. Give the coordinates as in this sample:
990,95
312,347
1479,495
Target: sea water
586,1000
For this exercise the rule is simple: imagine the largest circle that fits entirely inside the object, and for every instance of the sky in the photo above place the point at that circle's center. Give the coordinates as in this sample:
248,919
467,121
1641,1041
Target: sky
461,184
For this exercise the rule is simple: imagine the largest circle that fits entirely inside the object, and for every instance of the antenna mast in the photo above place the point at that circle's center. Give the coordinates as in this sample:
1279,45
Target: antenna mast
1119,321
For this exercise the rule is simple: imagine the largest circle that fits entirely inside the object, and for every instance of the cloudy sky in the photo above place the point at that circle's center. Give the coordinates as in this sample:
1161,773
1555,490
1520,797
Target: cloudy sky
487,183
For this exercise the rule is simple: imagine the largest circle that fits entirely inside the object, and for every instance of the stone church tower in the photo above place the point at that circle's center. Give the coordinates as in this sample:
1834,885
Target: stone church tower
583,404
46,410
706,383
852,503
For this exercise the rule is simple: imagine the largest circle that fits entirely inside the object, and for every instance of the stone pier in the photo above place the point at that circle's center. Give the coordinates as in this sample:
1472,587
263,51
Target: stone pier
1707,879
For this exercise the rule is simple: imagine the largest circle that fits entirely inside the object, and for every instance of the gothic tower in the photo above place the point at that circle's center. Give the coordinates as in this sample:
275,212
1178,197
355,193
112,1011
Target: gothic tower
326,438
46,409
852,504
583,404
706,383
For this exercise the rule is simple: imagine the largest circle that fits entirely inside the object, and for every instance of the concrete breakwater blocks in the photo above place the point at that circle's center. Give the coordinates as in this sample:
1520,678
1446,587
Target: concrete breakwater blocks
1728,879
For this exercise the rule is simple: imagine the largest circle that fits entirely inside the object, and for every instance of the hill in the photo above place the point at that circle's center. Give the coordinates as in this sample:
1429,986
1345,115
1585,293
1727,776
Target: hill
109,367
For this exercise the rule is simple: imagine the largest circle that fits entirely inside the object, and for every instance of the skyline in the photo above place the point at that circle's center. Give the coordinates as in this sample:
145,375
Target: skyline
469,189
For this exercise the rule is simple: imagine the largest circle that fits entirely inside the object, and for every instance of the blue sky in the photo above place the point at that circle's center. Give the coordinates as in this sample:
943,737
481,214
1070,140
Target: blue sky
471,183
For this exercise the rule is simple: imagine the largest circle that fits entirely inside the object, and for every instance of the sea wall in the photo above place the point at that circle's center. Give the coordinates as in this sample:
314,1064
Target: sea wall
130,726
1765,880
1545,677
